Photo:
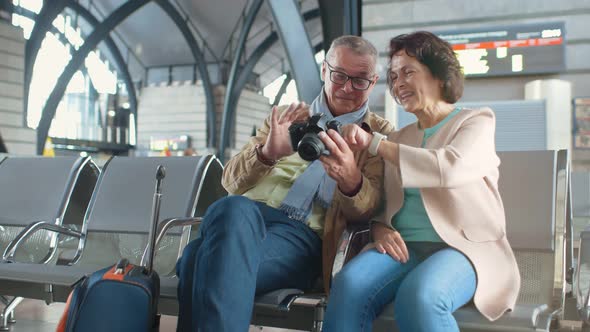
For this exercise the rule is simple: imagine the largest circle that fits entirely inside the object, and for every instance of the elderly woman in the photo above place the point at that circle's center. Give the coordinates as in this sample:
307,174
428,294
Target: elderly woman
441,240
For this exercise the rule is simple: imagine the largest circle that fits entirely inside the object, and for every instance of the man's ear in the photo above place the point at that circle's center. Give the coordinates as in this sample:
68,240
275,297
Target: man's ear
323,73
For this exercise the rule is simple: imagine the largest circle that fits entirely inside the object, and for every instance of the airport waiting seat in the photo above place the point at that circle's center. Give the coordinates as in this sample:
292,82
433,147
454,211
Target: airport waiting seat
37,190
118,220
534,186
54,190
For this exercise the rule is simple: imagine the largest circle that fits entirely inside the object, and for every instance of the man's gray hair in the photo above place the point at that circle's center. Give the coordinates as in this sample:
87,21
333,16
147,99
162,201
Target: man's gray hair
357,44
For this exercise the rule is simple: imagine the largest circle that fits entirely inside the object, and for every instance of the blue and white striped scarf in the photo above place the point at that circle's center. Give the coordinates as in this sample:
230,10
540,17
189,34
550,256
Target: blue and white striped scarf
314,184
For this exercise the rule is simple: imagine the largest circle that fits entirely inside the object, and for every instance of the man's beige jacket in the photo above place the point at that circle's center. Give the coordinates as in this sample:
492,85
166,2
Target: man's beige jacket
244,171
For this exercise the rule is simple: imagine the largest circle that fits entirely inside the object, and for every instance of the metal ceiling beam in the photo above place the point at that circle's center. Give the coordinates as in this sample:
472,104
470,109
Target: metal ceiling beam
288,79
353,16
282,89
43,23
78,57
229,102
291,28
233,94
253,60
115,52
340,17
201,65
262,49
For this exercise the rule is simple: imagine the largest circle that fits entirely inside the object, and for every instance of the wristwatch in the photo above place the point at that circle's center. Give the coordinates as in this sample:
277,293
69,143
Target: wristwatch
374,145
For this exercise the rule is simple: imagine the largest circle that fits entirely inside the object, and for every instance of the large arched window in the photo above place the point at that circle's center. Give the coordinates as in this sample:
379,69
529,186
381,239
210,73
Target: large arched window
85,105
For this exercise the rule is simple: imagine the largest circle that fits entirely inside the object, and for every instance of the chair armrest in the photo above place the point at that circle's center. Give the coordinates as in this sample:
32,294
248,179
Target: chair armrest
352,241
279,299
10,250
582,289
165,225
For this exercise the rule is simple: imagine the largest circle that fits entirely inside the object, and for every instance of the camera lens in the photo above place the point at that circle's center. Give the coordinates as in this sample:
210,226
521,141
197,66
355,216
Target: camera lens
310,147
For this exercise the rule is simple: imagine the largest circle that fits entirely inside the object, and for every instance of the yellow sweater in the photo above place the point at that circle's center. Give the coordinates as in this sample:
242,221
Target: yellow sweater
273,188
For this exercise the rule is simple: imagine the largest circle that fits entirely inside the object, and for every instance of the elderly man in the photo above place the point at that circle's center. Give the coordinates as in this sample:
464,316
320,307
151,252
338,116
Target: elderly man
268,234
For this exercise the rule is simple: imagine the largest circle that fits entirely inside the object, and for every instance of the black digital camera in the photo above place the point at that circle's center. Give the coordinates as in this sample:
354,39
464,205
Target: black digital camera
305,139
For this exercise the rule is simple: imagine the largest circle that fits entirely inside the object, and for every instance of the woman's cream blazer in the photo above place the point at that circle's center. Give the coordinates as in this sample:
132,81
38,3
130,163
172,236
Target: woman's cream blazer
457,173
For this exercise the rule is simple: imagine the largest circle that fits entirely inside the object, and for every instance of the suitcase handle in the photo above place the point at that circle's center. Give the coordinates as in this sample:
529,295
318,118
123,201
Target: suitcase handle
121,265
151,250
160,175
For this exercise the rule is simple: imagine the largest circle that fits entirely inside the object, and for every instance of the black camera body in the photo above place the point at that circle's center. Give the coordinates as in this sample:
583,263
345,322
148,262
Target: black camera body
305,139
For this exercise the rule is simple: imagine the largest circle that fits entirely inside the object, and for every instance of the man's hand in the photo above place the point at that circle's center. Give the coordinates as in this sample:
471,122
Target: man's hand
356,137
389,241
340,164
278,142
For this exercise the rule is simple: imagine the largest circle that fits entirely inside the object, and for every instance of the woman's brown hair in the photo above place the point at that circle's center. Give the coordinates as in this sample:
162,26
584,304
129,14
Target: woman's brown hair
434,53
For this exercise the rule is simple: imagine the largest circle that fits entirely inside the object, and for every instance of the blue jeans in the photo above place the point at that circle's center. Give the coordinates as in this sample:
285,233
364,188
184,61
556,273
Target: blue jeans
426,293
244,248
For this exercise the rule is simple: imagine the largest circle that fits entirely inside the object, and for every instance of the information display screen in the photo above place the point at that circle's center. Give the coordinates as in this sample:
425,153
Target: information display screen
511,50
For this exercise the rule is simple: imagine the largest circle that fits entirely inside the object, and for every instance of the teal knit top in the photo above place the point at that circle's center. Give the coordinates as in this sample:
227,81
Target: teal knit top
412,220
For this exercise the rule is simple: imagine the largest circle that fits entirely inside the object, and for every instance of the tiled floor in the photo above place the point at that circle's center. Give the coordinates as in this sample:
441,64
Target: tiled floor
36,316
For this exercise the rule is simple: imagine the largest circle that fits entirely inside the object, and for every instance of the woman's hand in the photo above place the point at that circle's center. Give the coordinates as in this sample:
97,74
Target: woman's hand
389,241
356,137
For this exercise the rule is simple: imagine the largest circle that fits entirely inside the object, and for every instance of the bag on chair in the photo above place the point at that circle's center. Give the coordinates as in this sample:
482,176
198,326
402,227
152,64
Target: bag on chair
122,297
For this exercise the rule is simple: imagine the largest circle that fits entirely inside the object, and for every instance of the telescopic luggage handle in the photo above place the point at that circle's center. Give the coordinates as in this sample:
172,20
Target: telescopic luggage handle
151,250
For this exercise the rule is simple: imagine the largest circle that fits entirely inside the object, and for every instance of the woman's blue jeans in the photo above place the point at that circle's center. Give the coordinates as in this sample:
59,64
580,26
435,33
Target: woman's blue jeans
426,293
244,248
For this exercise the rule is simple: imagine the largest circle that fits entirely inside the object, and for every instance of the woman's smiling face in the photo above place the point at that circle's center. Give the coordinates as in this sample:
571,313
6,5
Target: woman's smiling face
412,83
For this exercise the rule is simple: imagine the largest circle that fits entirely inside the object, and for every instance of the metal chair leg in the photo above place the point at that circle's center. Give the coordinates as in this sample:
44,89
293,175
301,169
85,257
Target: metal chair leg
318,313
8,310
11,319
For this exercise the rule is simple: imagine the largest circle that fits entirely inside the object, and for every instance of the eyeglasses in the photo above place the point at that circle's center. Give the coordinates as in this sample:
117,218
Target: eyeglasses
338,77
